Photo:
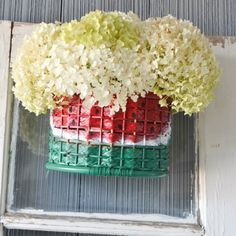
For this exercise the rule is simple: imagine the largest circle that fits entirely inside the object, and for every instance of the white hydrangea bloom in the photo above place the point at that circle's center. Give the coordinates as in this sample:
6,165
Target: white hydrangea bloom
30,72
109,57
185,66
108,76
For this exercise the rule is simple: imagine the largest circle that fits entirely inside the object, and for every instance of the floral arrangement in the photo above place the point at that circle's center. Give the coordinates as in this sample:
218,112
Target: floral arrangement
107,57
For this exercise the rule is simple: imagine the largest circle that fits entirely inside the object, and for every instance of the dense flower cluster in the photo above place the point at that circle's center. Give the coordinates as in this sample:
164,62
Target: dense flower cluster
32,78
113,30
184,64
108,57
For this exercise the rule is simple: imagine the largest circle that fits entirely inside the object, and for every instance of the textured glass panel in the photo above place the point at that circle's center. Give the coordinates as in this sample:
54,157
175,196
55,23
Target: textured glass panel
16,232
35,187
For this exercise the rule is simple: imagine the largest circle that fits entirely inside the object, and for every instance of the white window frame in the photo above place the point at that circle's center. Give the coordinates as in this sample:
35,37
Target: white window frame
11,35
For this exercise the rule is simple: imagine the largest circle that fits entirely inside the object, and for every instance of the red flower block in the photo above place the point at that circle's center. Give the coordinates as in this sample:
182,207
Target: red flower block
143,120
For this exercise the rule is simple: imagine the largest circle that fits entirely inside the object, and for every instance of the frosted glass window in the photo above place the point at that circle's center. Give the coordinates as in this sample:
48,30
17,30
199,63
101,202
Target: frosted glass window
37,188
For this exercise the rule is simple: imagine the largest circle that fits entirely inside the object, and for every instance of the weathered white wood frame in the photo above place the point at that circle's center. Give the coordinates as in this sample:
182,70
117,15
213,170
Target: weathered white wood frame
5,103
11,36
217,142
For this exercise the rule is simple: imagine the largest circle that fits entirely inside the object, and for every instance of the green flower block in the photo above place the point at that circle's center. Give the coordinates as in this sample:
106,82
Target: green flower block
102,159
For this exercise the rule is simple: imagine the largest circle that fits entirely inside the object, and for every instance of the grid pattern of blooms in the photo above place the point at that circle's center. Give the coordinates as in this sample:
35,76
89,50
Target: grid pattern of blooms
108,57
103,159
94,141
144,122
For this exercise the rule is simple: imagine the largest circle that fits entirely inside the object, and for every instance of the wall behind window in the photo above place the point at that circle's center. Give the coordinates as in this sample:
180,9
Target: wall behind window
213,17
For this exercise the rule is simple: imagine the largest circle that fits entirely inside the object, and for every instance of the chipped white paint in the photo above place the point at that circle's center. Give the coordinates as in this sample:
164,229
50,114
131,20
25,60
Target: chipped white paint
110,216
5,39
98,226
218,148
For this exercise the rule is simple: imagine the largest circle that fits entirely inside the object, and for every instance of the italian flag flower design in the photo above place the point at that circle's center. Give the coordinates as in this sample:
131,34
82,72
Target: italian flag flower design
111,82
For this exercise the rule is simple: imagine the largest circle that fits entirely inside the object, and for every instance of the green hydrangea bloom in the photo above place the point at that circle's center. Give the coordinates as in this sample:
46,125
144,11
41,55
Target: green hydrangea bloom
112,29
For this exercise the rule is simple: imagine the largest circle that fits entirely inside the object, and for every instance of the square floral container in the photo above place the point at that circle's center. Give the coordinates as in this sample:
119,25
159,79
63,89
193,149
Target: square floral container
92,141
